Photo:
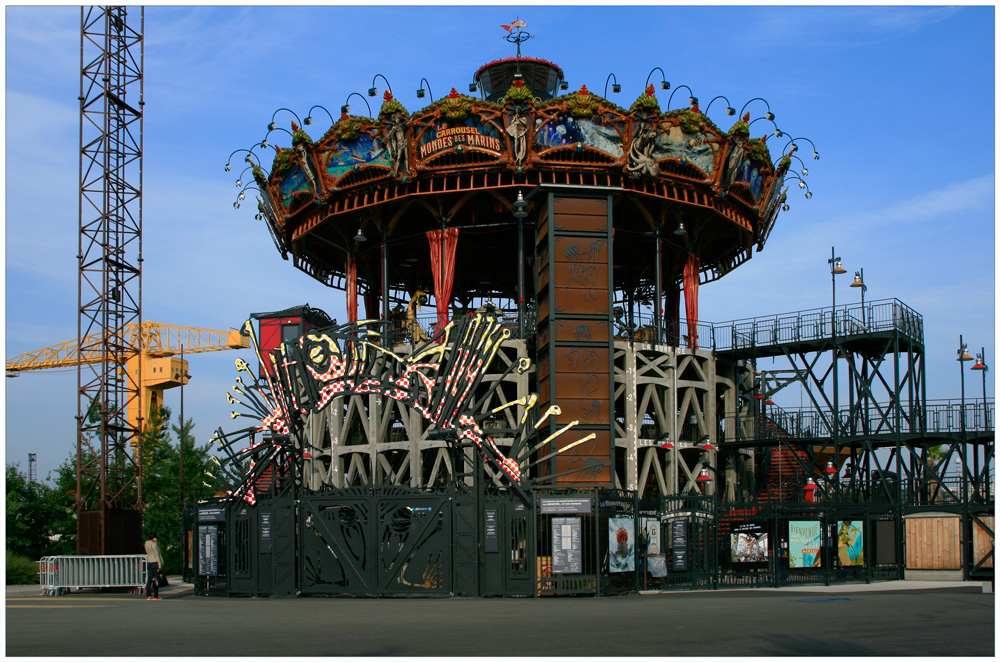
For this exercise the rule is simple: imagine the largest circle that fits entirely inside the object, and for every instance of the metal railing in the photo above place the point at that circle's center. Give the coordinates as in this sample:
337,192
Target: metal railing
59,574
818,324
939,416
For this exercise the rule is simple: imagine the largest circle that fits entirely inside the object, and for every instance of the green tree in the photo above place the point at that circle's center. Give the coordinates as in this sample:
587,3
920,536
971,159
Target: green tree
36,514
162,504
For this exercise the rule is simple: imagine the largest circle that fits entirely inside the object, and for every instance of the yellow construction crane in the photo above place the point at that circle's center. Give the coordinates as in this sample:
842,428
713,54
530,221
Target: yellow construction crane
158,358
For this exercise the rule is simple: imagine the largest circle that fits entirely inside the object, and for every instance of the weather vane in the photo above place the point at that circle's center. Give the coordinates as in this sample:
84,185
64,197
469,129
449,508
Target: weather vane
516,35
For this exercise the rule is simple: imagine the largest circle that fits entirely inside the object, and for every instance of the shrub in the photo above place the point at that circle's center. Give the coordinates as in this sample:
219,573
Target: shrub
21,570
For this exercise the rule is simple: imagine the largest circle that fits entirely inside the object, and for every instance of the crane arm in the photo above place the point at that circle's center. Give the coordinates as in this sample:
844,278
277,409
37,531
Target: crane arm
152,338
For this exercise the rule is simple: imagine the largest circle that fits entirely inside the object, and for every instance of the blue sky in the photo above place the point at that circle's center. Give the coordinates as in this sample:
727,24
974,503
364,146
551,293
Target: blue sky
900,102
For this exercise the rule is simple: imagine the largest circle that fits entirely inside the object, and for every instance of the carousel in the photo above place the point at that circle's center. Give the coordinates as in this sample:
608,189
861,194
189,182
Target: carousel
570,224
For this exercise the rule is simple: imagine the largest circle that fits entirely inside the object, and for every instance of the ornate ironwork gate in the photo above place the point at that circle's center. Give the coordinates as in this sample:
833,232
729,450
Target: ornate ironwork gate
377,541
508,547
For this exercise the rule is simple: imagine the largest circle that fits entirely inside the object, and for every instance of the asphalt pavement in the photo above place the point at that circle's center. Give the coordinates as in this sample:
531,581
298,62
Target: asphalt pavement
892,618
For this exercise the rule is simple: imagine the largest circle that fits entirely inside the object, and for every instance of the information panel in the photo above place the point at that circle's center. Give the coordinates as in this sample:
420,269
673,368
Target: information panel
565,506
679,535
491,538
208,551
567,557
265,532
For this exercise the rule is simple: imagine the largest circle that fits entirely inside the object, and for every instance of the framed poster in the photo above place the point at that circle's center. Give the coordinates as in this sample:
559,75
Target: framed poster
748,543
621,544
850,543
567,550
652,536
805,540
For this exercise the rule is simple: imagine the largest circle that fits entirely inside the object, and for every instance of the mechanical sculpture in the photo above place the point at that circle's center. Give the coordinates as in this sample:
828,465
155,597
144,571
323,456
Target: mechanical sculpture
439,380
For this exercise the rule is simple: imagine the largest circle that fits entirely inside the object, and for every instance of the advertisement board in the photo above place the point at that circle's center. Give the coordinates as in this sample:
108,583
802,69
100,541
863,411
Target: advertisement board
805,540
850,543
621,544
748,543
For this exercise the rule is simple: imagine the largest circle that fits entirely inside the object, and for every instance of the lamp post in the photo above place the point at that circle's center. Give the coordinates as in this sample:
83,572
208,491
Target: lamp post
836,268
520,213
859,281
980,365
963,356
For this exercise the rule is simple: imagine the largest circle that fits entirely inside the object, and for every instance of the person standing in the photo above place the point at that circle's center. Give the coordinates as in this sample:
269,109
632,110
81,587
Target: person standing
153,563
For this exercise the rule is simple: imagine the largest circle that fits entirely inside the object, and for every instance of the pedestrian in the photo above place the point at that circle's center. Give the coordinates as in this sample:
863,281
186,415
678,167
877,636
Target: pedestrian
153,564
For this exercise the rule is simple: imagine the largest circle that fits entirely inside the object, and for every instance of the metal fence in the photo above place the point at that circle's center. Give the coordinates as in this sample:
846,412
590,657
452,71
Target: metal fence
59,574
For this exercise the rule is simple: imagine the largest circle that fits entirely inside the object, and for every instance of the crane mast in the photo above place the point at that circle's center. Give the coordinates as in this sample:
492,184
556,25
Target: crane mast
109,472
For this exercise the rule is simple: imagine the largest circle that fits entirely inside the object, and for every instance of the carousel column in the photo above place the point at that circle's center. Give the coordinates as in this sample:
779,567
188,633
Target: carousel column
658,294
631,418
352,289
385,277
335,423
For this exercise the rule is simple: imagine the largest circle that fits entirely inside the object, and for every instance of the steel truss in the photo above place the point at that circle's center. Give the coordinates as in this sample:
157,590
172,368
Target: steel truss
109,481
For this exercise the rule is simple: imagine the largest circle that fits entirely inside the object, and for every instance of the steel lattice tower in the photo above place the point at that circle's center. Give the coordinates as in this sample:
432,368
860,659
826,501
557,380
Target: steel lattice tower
109,479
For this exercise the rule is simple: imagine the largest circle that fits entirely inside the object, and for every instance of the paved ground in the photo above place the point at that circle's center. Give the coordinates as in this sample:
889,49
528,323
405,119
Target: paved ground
899,618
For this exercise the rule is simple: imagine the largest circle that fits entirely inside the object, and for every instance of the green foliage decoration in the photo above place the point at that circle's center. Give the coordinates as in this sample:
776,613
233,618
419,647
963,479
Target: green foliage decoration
282,161
646,103
300,136
349,127
391,107
740,129
581,103
757,151
518,94
692,121
455,106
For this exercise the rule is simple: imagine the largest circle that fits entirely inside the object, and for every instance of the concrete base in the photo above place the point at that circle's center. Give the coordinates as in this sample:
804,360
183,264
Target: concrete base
934,575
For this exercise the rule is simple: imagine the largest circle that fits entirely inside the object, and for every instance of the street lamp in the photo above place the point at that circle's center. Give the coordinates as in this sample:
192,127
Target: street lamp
836,268
981,366
859,281
963,356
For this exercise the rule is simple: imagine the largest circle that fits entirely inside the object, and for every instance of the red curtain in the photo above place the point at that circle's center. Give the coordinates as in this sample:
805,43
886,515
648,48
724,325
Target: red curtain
691,269
443,243
352,289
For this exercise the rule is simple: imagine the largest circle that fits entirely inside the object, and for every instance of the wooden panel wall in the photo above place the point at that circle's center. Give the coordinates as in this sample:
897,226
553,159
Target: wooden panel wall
982,541
933,543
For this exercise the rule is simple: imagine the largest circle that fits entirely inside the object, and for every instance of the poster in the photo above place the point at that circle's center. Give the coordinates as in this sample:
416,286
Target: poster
567,550
850,543
652,536
621,544
805,539
748,543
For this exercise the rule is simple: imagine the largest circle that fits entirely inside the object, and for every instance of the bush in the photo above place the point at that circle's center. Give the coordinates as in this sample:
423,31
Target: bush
21,570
